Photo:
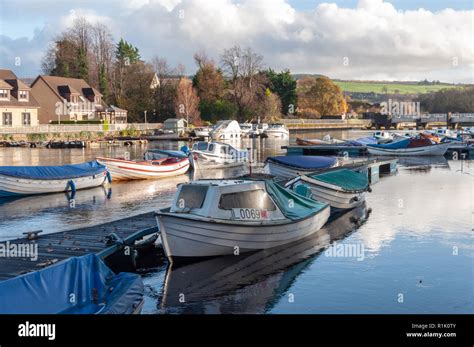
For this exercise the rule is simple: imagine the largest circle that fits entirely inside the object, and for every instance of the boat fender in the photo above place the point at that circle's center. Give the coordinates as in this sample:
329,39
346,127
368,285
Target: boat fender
369,189
109,176
71,185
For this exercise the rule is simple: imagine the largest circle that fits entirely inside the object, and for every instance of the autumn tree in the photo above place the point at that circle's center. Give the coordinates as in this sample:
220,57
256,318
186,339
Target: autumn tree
187,102
322,96
270,106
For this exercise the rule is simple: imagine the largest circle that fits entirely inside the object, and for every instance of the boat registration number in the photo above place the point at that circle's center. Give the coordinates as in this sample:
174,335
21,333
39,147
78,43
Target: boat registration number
249,213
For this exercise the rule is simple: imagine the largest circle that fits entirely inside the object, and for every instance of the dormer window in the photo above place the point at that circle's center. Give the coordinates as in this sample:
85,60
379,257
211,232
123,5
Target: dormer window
4,94
23,95
97,100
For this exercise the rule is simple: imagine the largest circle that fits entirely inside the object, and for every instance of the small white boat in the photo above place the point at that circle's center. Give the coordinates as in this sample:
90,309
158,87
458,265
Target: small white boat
161,166
226,130
382,136
277,131
212,155
409,147
221,217
202,132
341,189
295,165
246,129
32,180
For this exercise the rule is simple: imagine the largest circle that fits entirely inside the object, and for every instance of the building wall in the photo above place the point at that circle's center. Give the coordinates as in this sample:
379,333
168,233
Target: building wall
17,118
47,100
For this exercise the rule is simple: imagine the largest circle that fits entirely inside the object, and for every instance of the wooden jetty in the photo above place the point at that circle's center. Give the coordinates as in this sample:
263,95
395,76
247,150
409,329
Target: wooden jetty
105,240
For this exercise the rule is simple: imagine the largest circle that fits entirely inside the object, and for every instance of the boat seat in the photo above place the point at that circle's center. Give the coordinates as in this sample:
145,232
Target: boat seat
304,190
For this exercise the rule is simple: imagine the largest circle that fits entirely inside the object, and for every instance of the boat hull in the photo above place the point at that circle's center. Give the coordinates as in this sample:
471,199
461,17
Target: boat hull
277,134
336,198
285,171
432,150
123,170
12,186
183,236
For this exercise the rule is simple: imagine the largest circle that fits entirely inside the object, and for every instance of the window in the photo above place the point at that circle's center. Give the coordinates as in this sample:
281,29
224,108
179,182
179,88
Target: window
223,150
26,116
191,196
248,199
3,93
7,118
202,146
23,95
211,147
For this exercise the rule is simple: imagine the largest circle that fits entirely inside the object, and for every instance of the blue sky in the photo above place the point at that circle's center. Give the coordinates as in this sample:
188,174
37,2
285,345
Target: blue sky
382,40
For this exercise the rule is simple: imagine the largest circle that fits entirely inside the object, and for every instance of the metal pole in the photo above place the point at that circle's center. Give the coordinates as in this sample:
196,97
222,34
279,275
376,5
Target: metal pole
145,116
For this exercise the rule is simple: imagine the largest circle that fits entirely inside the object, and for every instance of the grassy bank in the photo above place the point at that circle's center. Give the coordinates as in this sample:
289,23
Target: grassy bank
392,87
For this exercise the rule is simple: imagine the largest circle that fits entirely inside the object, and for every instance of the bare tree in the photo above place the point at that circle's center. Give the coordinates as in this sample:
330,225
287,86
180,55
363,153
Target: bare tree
187,101
81,33
242,67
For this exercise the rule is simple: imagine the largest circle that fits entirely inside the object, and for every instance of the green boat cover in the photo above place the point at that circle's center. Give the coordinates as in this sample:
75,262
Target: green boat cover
292,205
348,180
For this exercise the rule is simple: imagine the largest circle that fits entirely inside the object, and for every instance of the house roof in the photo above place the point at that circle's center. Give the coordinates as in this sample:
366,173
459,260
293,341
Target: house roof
65,85
8,80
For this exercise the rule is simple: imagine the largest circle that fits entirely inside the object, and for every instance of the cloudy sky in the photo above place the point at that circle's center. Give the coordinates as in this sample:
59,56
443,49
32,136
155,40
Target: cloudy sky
347,39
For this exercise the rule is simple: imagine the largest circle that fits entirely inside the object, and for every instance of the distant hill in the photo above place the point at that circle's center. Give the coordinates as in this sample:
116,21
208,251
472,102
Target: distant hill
399,87
393,87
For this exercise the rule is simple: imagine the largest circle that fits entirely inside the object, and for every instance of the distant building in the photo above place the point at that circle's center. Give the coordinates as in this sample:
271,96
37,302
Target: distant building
177,125
71,99
18,107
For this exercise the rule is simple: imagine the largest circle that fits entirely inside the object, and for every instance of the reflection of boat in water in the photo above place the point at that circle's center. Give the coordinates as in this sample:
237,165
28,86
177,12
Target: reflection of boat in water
423,162
252,282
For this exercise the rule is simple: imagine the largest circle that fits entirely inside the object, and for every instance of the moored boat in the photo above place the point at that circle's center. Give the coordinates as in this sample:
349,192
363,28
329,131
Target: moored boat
160,166
31,180
413,146
276,131
221,217
95,288
294,165
341,189
202,132
213,155
226,130
326,140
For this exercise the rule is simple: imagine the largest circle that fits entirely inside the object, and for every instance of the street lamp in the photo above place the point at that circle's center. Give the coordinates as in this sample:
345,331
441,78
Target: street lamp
145,116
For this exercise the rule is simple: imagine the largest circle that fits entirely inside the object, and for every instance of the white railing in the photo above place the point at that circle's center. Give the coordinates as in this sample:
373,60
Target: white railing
75,128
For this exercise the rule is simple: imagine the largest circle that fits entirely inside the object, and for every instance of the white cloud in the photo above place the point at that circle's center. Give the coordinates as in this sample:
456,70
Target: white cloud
379,41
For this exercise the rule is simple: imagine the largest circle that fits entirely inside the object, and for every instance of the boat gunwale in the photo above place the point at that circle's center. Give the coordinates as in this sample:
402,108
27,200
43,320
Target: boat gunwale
247,224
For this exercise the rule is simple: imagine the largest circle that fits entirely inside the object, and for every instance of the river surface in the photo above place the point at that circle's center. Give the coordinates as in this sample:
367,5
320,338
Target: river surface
408,250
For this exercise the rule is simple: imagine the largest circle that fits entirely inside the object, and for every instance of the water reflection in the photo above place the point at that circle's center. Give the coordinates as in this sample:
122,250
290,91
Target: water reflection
248,283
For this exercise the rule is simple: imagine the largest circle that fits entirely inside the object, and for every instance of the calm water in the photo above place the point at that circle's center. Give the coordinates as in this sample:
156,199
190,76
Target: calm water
413,241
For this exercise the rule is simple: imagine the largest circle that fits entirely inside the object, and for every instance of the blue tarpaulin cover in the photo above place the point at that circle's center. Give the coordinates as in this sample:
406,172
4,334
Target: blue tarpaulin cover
394,145
77,285
54,172
300,206
305,161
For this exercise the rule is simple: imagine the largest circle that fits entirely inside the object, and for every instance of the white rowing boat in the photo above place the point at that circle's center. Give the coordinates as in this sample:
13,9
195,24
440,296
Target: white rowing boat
148,169
221,217
32,180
